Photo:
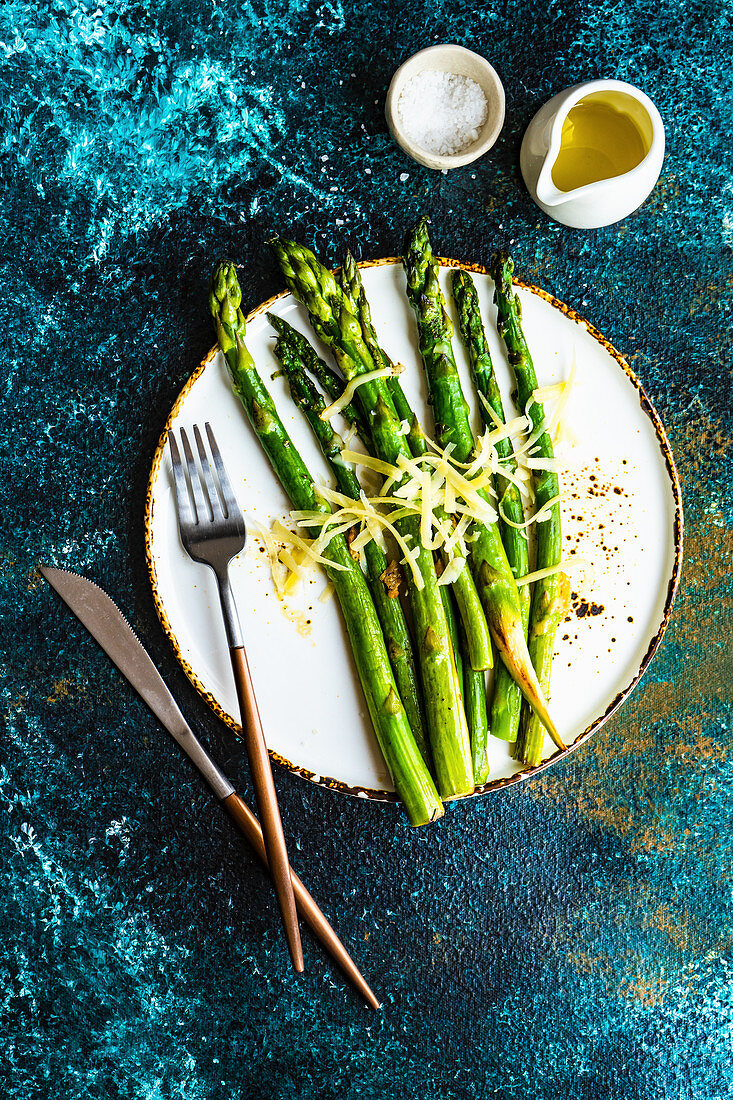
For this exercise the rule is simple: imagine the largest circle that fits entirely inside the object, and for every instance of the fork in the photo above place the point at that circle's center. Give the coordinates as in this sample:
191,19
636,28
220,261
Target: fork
213,532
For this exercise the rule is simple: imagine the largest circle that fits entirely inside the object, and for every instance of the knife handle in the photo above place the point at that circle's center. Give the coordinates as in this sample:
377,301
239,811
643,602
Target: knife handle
248,824
269,811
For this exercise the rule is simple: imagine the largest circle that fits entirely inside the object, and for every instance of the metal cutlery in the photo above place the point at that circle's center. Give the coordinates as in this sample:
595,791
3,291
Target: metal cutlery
108,626
213,532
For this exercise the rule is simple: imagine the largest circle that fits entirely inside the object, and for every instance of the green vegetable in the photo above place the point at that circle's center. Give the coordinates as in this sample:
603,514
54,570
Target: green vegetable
551,594
402,755
474,701
389,609
335,322
452,620
506,705
494,579
473,689
330,383
464,588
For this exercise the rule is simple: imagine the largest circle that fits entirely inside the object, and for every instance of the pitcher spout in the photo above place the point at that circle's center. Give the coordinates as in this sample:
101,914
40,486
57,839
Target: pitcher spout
548,194
552,196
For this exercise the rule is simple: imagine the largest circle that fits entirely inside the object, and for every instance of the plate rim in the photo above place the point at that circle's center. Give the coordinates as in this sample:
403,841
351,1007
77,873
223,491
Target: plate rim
370,793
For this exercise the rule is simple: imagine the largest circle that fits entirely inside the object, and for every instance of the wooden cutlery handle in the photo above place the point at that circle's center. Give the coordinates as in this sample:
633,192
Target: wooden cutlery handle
269,812
248,824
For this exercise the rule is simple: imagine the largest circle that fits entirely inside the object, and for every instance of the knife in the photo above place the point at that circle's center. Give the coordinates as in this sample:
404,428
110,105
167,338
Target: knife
109,627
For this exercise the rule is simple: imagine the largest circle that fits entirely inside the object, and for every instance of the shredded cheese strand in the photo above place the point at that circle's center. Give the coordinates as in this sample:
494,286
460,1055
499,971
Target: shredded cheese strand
550,570
295,571
278,571
559,411
360,510
455,540
539,516
352,386
554,465
452,571
411,555
327,593
359,458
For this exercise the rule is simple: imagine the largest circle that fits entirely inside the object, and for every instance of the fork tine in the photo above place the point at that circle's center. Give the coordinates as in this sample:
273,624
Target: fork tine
194,477
233,509
211,486
185,506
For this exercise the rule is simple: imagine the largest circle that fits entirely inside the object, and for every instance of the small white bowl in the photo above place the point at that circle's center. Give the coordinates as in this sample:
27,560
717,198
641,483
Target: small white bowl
449,59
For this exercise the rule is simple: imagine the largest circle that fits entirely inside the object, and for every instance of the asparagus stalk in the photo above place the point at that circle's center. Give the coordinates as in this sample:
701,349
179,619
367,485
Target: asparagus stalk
551,594
415,437
471,678
473,689
447,725
327,379
389,608
451,619
474,701
464,587
494,579
506,706
336,324
353,288
409,772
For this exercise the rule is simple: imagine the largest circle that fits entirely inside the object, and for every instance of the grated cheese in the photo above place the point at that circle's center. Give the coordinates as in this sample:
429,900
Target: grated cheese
277,569
447,496
540,516
558,426
352,386
555,465
560,393
452,571
360,459
287,535
294,567
550,570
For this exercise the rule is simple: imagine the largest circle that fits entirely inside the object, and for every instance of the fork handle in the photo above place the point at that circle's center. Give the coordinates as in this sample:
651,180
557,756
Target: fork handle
269,812
247,823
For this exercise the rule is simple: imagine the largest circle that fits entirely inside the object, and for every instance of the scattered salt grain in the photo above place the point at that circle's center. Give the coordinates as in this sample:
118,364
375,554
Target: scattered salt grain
442,112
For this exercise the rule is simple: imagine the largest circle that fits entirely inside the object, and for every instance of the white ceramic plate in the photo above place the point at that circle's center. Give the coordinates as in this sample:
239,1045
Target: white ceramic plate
624,517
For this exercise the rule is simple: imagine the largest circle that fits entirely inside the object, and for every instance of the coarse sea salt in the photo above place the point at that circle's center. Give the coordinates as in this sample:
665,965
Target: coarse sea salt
442,112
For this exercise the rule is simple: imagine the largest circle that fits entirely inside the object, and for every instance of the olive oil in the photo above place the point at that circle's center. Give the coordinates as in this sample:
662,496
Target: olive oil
598,142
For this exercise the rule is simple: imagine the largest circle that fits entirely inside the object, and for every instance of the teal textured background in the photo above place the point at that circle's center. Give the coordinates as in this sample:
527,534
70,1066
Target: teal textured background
566,938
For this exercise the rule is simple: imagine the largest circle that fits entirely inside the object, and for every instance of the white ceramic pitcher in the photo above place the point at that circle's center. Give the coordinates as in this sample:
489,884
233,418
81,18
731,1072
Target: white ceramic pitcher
605,200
